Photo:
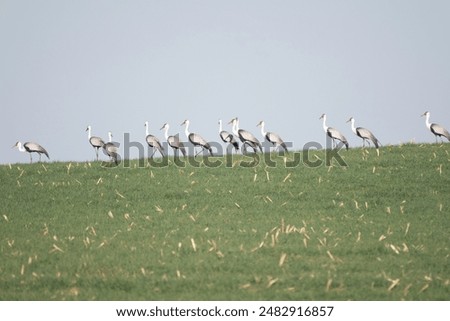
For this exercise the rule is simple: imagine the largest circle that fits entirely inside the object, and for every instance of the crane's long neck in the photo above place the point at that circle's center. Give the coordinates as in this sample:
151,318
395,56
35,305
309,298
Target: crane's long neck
89,132
21,147
186,129
166,132
325,127
110,137
220,126
146,130
263,132
353,126
427,120
235,127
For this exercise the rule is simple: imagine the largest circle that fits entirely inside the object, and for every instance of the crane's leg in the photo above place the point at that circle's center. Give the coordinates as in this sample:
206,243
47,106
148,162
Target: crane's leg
244,149
96,153
248,145
31,159
40,158
198,151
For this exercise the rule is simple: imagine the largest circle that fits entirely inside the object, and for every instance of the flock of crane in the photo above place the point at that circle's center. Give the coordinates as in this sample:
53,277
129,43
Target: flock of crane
246,138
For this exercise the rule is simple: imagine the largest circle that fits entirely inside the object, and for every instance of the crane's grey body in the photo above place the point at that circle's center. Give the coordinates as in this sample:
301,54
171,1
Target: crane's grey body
111,149
227,137
436,129
95,141
246,137
31,147
333,133
153,142
272,138
196,139
173,141
364,133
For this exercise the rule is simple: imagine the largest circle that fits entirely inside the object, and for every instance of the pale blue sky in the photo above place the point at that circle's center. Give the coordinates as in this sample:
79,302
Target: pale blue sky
115,64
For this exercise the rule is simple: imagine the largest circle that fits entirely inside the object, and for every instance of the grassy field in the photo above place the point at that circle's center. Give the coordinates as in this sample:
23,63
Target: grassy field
377,229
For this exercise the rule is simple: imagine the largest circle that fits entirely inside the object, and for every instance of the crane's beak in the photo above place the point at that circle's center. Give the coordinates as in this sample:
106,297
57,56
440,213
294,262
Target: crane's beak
424,114
321,116
349,120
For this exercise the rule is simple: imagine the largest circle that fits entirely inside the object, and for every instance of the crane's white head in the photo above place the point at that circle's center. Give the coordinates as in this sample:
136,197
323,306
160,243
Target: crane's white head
146,124
88,128
234,120
19,146
351,119
427,119
324,116
165,126
186,122
261,123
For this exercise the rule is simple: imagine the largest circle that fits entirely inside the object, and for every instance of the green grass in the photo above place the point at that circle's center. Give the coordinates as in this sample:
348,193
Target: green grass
377,229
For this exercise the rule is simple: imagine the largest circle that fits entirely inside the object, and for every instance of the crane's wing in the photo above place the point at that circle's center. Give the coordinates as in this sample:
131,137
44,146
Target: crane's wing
439,130
367,134
276,140
111,148
36,148
96,141
198,140
153,141
334,133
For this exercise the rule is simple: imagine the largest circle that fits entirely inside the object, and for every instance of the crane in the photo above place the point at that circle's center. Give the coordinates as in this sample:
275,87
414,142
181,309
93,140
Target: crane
30,147
173,141
227,137
333,133
196,139
111,149
153,142
271,137
436,129
364,133
95,141
246,137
